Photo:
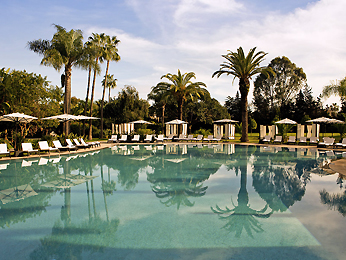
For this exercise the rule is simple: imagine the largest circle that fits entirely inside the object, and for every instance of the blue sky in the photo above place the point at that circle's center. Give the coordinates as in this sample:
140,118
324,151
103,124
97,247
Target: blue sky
161,36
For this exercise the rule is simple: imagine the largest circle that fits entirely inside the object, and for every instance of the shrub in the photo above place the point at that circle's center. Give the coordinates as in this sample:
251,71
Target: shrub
203,132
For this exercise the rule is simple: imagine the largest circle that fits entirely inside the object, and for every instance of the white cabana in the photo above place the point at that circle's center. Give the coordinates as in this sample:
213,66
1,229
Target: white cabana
172,127
225,127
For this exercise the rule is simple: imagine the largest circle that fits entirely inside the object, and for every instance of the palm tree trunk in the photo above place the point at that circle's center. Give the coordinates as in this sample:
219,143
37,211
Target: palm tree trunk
244,90
86,99
91,101
103,98
163,117
67,98
109,94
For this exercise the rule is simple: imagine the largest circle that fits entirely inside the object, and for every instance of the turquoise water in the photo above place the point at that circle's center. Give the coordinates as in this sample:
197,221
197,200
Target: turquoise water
173,202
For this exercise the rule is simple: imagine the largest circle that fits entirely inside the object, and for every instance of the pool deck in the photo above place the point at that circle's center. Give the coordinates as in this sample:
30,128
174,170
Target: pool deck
339,166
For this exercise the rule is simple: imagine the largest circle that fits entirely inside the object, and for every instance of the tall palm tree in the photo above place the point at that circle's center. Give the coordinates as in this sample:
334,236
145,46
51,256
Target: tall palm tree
65,49
243,67
96,42
180,89
110,53
337,88
90,58
111,84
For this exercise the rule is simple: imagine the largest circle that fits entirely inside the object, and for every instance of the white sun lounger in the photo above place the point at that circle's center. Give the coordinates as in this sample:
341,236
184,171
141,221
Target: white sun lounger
27,148
3,149
43,145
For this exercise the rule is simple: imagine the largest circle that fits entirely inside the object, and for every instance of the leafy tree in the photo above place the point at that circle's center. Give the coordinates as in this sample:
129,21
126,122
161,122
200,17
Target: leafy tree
243,67
110,53
273,93
160,101
127,106
65,49
233,105
181,88
204,112
31,94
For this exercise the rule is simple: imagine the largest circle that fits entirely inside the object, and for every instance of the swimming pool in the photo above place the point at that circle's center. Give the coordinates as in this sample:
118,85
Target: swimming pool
217,201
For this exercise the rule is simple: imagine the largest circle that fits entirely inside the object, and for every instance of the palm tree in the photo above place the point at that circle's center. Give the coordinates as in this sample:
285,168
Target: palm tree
110,53
111,84
96,42
65,49
90,58
180,89
243,68
338,88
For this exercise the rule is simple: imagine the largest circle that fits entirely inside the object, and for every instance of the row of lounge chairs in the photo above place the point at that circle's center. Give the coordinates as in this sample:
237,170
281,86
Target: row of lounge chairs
161,138
327,141
44,147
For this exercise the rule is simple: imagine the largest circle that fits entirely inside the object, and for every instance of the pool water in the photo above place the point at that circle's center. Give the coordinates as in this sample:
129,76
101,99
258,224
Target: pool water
174,201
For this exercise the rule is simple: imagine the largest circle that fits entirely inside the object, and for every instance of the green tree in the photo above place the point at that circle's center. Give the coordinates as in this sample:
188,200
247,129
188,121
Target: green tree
272,94
233,105
65,49
110,53
127,106
181,88
243,67
160,101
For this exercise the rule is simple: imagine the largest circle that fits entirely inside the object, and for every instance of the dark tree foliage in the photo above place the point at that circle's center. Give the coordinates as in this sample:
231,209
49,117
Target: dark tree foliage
127,107
201,114
233,106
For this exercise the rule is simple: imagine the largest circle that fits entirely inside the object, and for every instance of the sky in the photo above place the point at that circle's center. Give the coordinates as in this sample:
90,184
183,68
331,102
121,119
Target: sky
161,36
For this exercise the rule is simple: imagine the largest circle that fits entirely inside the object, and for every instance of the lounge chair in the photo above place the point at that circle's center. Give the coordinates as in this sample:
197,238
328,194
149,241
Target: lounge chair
169,138
199,138
342,144
181,137
85,145
291,139
135,138
93,144
302,140
43,145
113,139
313,140
217,138
209,138
123,138
278,139
27,148
266,139
327,141
3,149
58,145
159,138
190,138
71,145
148,138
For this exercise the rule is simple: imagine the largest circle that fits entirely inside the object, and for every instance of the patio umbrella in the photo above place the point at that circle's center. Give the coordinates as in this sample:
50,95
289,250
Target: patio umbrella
176,122
62,118
17,118
141,122
226,121
286,121
321,120
16,193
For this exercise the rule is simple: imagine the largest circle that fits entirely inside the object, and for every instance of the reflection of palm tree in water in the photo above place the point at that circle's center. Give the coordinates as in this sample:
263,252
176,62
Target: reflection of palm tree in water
242,216
334,201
